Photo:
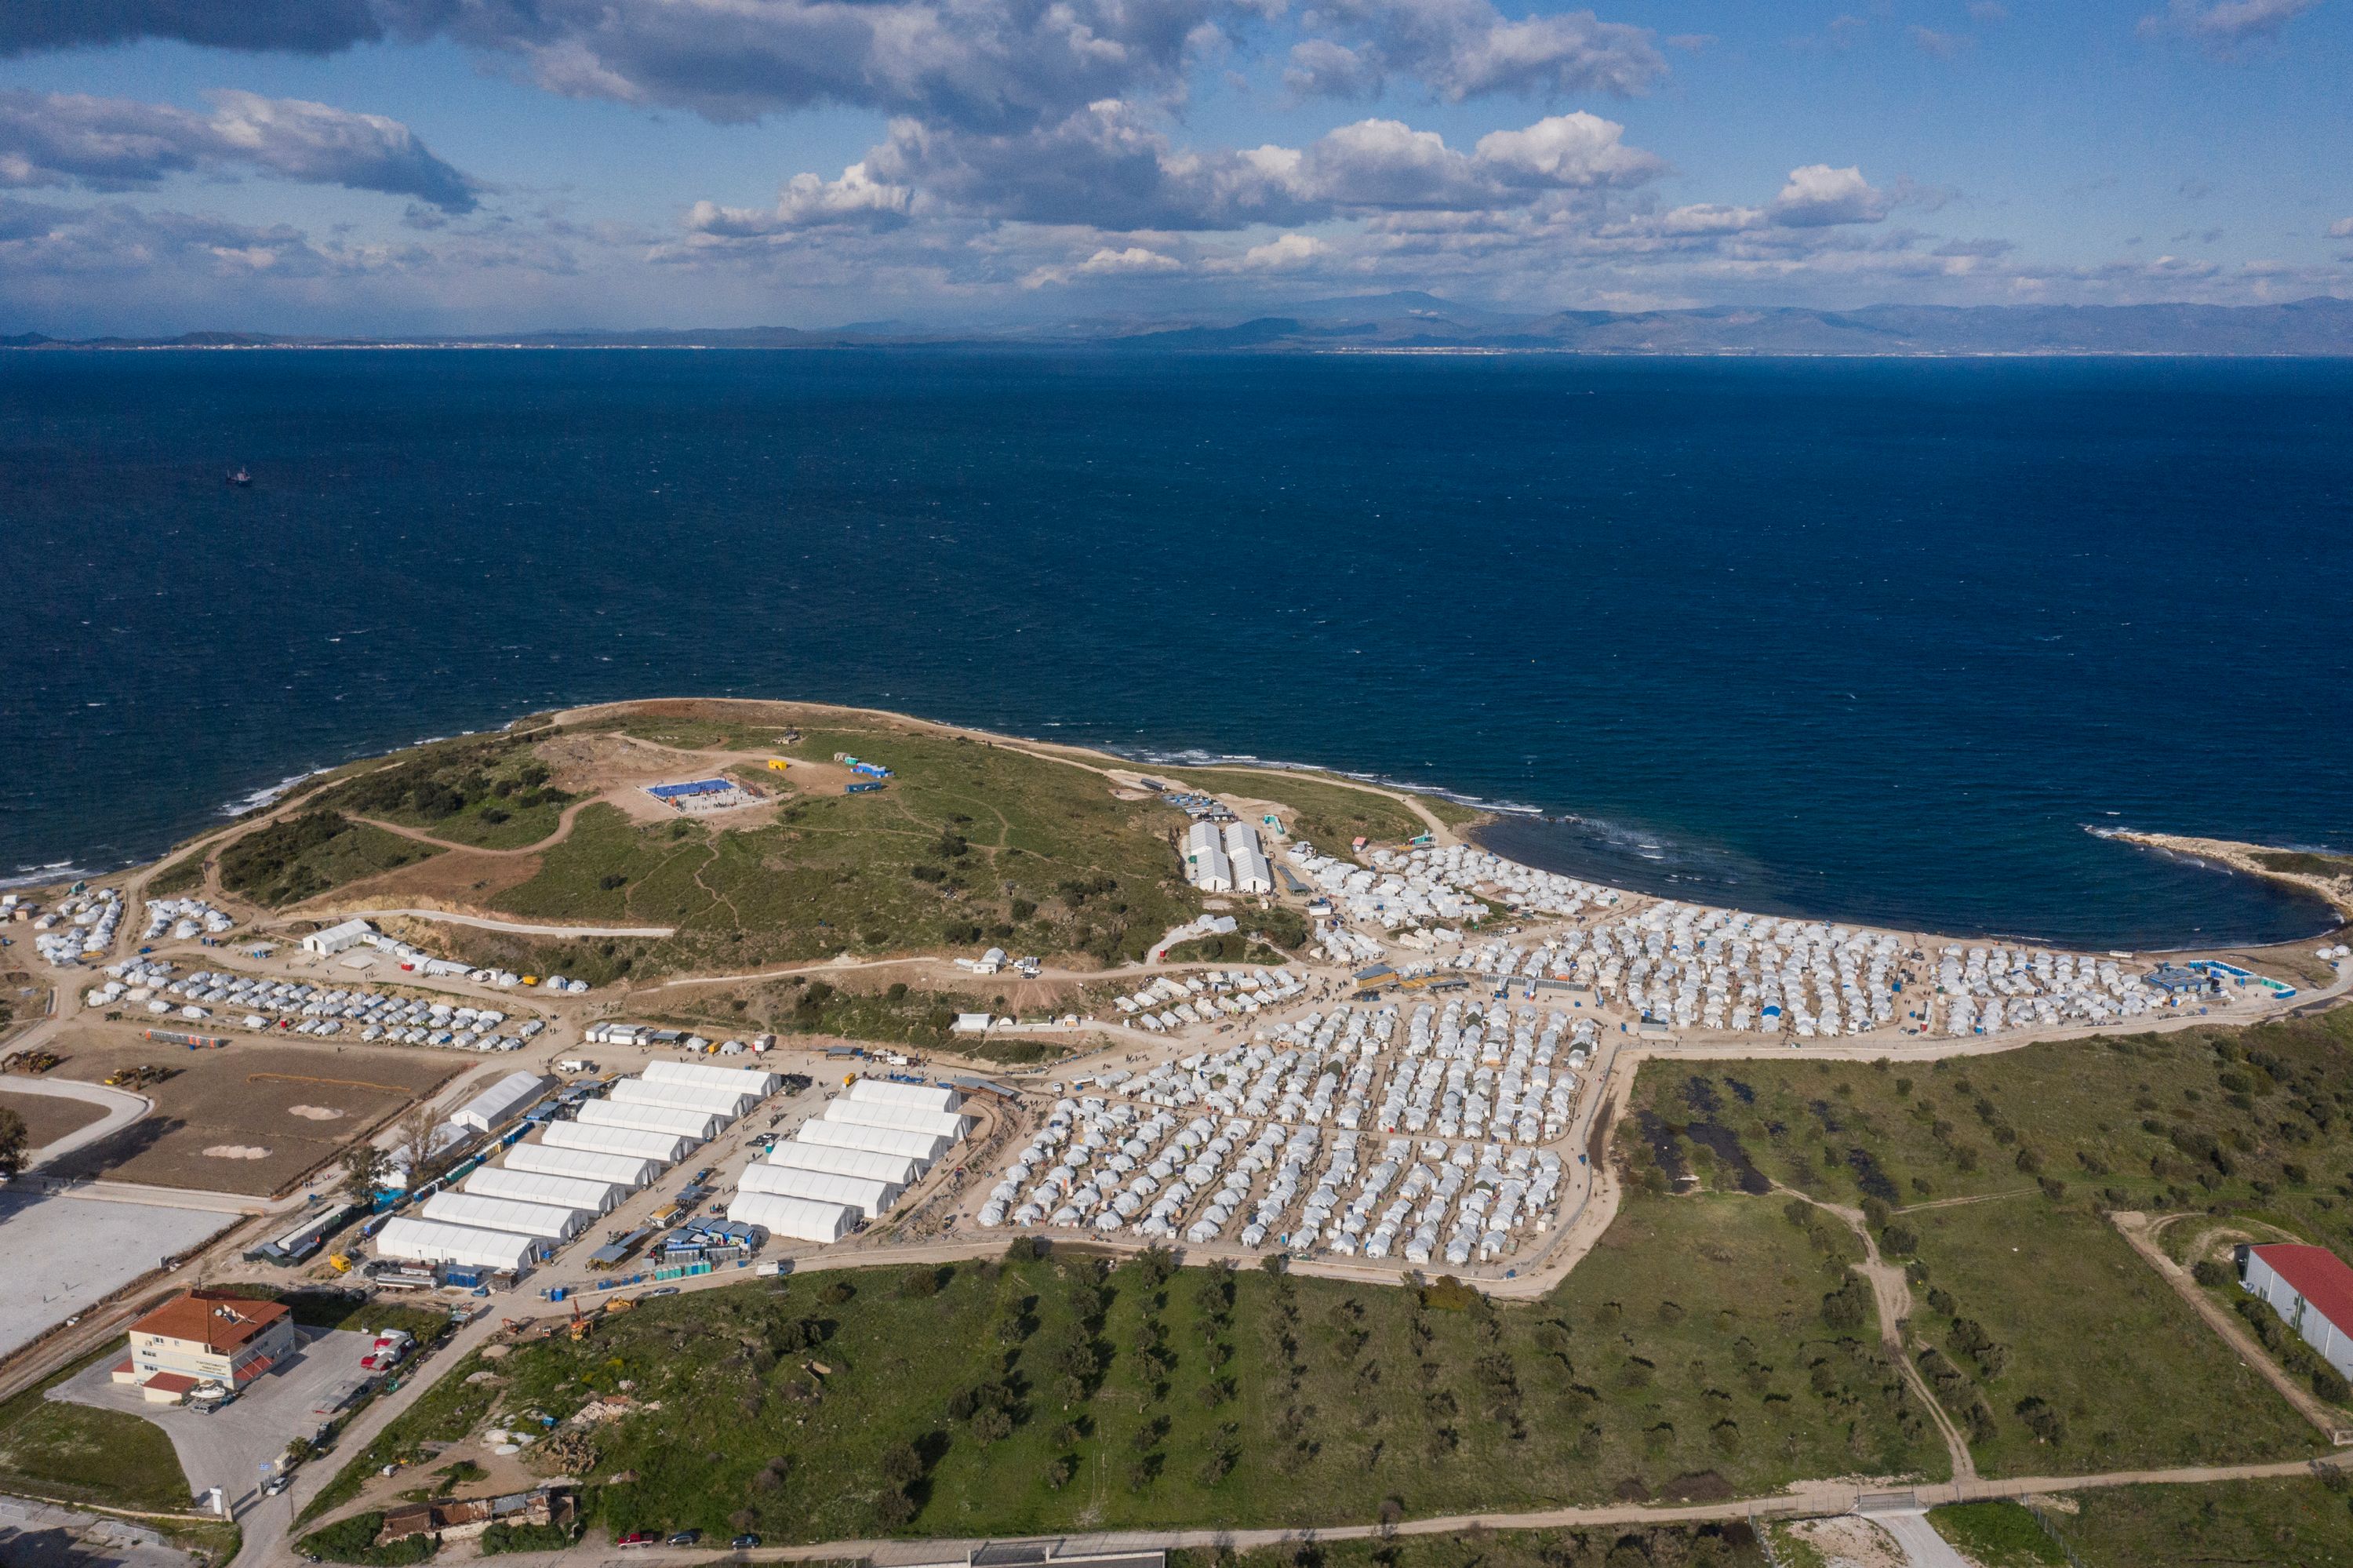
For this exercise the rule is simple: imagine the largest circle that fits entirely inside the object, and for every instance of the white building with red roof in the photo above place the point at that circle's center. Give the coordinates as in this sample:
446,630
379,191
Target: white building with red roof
206,1336
2311,1287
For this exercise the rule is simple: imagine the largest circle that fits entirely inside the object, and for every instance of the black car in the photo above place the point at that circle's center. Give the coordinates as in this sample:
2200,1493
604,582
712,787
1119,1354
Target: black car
745,1542
684,1538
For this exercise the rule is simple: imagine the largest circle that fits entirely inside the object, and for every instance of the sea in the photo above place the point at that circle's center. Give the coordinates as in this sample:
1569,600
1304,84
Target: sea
1879,640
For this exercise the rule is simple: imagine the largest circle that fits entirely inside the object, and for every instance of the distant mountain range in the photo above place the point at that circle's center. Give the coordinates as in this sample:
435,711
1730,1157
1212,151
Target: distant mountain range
1409,322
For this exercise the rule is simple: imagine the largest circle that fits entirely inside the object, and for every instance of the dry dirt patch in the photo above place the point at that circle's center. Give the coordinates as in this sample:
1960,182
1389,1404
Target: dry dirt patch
219,1107
48,1117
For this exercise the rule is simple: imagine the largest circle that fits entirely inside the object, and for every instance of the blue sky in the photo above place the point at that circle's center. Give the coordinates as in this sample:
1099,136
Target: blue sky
473,165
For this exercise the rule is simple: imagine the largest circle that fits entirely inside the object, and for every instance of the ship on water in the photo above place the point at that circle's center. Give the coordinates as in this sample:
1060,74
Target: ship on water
239,478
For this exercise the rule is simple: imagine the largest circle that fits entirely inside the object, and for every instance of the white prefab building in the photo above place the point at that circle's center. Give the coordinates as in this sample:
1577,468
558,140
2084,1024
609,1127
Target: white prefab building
921,1147
860,1162
885,1091
407,1240
696,1125
2312,1289
1206,865
627,1171
742,1080
1247,861
795,1219
502,1101
680,1097
538,1187
905,1119
504,1214
666,1146
624,1171
336,939
871,1199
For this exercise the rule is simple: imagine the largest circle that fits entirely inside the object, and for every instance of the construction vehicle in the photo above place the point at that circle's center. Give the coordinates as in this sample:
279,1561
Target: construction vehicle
777,765
35,1061
340,1262
137,1076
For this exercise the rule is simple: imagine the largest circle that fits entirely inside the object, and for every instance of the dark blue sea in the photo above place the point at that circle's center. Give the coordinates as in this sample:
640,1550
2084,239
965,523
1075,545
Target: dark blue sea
1870,639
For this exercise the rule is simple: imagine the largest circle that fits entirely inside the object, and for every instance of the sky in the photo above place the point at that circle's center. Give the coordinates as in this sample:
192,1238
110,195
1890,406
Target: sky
427,166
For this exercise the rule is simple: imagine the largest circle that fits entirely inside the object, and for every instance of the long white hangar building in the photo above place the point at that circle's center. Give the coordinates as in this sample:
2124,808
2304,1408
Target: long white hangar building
852,1164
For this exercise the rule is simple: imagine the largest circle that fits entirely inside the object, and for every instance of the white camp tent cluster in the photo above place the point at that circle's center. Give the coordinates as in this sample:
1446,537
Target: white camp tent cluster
130,980
506,1217
1104,1167
1218,1140
183,919
1989,990
81,927
1172,1001
851,1164
1232,861
1443,886
248,1002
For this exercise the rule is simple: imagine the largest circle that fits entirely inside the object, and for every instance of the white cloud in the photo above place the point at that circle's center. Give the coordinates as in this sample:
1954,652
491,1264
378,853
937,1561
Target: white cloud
1941,45
2341,229
1576,149
1819,195
1106,262
115,143
1284,253
1466,48
857,198
2223,27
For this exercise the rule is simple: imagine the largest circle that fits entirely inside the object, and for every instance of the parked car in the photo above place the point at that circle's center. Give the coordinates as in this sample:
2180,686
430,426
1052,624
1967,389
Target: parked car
637,1538
685,1538
665,1290
745,1542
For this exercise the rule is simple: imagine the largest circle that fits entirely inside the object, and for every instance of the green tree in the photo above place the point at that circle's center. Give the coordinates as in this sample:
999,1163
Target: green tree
13,1143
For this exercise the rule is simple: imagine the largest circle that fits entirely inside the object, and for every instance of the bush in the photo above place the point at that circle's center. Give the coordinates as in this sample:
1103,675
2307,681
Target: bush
353,1540
525,1538
2213,1274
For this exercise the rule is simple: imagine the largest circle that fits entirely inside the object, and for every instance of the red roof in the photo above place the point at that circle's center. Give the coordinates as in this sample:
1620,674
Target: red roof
169,1383
213,1319
253,1369
2318,1275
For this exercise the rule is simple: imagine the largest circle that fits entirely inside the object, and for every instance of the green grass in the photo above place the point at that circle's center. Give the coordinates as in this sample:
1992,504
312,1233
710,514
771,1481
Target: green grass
1324,1401
489,791
2066,1313
78,1454
2295,1523
312,853
1997,1535
1330,815
2305,862
183,876
971,846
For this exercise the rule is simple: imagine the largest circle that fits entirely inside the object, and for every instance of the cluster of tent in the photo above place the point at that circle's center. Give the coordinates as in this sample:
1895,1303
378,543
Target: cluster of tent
506,1217
850,1165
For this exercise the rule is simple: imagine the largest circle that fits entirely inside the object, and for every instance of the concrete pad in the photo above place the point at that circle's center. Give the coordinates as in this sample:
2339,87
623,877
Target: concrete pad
39,1535
230,1447
88,1248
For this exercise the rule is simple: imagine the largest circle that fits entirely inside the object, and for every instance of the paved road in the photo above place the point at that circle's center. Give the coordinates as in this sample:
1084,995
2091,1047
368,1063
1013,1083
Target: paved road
121,1107
1921,1543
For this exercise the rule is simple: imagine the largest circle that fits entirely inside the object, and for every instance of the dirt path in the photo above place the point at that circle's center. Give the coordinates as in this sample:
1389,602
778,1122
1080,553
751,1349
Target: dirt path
1964,1203
1892,1293
563,831
2136,1229
516,927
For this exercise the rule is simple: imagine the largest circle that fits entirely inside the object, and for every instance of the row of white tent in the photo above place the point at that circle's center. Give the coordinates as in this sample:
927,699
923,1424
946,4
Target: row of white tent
507,1217
851,1164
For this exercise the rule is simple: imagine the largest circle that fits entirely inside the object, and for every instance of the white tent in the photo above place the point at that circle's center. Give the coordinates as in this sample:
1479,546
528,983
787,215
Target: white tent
538,1187
871,1199
504,1214
906,1118
923,1145
922,1096
863,1163
408,1240
795,1219
680,1097
500,1103
745,1080
624,1171
696,1125
665,1147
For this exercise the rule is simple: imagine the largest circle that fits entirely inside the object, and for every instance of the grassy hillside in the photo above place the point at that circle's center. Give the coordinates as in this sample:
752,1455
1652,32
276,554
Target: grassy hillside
315,852
74,1452
2059,1347
970,845
490,791
1050,1394
2299,1523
